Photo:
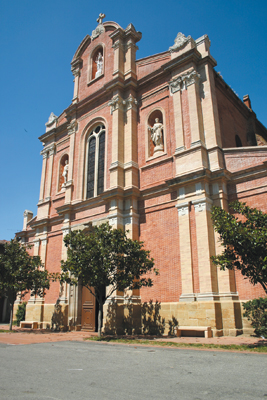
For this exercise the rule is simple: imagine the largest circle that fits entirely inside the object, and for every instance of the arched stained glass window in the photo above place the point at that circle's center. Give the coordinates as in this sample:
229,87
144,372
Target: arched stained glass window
101,164
96,162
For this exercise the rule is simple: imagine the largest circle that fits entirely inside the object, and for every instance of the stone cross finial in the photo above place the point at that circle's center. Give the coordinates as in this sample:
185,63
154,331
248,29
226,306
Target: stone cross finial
100,18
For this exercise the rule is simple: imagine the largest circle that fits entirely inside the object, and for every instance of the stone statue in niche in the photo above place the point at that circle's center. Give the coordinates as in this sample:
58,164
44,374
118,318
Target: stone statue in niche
157,135
99,65
65,173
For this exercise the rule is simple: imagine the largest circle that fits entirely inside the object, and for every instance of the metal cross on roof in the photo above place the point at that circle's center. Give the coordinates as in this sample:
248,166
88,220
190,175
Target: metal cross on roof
100,18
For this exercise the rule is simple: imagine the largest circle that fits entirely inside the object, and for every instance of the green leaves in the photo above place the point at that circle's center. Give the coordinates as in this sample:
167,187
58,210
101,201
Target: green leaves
106,258
256,312
21,273
244,240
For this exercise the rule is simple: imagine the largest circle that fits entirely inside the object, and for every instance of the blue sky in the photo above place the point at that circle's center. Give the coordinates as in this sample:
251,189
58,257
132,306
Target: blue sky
38,40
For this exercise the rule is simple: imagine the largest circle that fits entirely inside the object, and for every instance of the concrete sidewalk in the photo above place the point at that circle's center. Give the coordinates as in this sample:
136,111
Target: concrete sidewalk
29,336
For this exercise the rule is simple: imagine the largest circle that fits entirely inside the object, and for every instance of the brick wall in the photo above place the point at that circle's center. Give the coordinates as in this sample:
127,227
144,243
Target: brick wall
160,232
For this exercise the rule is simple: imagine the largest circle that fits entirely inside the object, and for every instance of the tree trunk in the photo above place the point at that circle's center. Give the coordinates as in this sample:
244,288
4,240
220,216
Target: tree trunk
100,313
11,316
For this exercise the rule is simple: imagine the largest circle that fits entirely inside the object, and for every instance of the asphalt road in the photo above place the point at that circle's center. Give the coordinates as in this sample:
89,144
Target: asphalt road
86,370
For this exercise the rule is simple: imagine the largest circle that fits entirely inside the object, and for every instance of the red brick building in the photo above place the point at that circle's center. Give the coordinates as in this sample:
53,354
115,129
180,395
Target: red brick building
149,145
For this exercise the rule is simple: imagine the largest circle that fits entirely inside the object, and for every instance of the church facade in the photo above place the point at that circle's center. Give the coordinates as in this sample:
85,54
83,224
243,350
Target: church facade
149,146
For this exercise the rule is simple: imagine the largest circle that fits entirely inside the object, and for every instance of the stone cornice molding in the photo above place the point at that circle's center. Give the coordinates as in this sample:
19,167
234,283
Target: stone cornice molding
180,42
183,81
116,164
191,56
131,164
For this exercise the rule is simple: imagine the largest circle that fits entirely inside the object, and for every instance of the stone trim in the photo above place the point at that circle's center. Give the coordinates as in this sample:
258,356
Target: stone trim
180,42
182,208
115,104
183,81
72,127
202,204
118,103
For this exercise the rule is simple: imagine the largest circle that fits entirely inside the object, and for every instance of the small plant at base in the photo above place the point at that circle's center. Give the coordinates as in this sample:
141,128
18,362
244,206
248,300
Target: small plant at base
20,314
256,312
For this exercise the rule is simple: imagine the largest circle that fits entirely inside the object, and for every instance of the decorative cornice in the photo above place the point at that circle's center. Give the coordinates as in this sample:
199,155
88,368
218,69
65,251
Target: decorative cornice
180,42
183,81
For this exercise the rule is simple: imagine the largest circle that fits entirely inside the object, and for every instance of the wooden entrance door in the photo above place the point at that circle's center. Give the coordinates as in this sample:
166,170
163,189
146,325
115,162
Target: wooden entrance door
88,310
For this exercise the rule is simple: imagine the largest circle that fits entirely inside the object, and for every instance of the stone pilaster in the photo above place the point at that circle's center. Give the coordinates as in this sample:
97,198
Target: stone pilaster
27,216
117,157
43,250
131,38
206,248
130,143
72,128
190,82
195,112
63,299
51,149
226,279
118,47
185,252
178,121
211,120
76,74
44,153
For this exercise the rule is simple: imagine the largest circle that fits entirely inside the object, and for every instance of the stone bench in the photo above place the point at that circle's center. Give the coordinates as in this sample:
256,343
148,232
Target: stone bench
206,329
29,324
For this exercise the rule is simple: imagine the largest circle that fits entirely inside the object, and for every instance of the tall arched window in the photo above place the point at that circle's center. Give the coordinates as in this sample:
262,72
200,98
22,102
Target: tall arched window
96,162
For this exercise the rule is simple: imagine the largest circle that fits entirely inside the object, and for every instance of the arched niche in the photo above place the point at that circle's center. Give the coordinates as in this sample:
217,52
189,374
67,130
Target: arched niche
62,164
156,137
97,62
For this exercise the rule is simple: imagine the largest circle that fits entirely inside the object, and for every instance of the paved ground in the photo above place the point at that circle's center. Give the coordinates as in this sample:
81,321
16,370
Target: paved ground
89,370
27,336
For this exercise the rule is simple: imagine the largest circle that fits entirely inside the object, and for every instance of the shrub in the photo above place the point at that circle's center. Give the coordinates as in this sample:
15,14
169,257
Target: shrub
256,312
20,314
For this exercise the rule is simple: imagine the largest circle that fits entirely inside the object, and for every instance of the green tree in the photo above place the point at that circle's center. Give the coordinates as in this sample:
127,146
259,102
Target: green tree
244,240
21,273
106,258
